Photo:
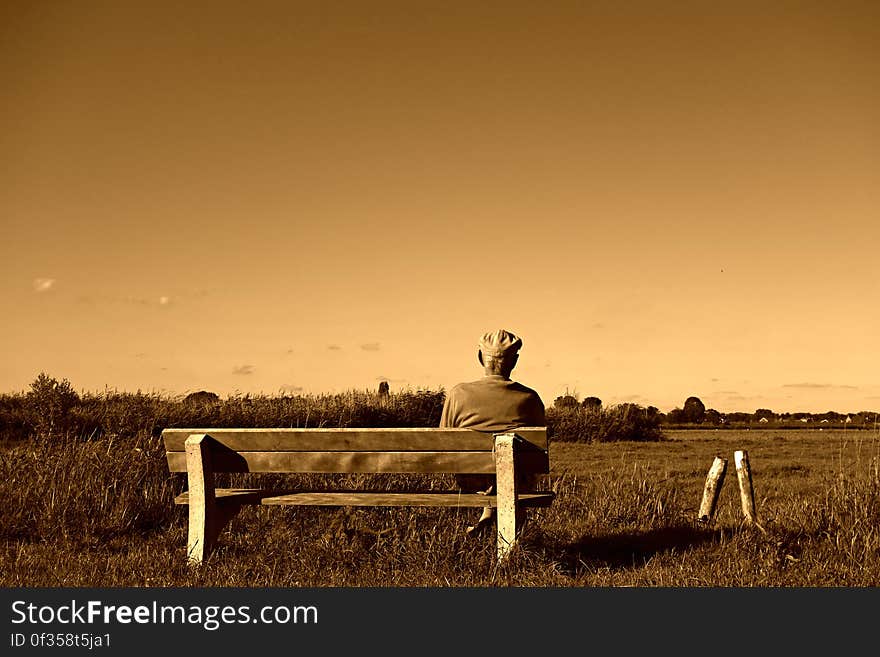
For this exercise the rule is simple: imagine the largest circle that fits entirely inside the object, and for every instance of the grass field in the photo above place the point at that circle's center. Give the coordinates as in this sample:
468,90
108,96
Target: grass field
99,513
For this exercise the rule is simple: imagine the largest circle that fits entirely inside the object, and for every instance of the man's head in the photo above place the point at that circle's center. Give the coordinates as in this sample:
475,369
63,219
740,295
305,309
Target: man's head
498,352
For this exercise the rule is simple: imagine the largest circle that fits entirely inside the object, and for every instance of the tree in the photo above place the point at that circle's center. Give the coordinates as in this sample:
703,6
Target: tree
763,413
48,402
201,398
565,401
712,416
592,403
694,410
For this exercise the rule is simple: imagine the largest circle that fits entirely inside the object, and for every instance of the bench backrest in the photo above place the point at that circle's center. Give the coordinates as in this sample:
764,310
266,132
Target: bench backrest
422,450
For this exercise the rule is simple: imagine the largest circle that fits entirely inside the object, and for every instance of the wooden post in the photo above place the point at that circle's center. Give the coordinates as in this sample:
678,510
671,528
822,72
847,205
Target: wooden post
207,517
714,480
747,495
505,493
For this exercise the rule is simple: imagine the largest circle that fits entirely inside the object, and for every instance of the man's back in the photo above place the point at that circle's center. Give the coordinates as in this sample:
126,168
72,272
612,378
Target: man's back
493,403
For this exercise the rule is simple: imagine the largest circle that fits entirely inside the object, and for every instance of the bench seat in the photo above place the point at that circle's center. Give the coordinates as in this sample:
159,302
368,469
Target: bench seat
367,498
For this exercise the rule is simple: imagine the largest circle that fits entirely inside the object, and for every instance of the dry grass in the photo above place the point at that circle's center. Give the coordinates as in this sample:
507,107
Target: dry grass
100,513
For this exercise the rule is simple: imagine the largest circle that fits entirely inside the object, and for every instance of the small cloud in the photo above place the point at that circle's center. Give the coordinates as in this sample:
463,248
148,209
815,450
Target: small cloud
370,346
141,301
728,392
714,380
819,386
43,284
164,301
140,355
738,397
243,370
598,325
334,347
290,351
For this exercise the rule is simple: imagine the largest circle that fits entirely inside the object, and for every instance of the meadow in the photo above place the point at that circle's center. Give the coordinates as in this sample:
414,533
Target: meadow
95,509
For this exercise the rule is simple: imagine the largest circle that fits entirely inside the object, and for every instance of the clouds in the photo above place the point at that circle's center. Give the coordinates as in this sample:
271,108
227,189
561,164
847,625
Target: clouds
368,346
43,284
819,386
127,300
243,370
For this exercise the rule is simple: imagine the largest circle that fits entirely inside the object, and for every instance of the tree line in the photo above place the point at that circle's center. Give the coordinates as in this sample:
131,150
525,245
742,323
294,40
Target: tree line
694,412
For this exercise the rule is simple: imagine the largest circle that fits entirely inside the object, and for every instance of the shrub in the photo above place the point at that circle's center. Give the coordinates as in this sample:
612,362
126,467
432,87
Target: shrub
622,422
48,404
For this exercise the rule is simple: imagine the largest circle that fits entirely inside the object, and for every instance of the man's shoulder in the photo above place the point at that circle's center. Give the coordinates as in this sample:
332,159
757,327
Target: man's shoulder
525,389
486,384
464,387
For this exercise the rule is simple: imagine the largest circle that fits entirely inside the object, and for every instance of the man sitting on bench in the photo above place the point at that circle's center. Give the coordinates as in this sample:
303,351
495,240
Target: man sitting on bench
494,404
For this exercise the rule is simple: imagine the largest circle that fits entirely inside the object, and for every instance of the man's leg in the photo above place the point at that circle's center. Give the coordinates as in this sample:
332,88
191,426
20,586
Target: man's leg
482,485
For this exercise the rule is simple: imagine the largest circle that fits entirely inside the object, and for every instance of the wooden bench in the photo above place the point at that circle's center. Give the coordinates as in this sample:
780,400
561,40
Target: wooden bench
513,457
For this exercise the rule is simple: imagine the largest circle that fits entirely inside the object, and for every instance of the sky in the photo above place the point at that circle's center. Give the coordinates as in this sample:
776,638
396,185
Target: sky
661,199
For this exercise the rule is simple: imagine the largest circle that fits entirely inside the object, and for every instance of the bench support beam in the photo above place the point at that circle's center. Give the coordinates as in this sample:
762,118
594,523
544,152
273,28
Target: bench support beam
506,485
207,516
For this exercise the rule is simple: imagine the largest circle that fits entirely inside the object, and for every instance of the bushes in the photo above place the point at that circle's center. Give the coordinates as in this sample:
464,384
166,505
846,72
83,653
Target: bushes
48,403
590,424
52,408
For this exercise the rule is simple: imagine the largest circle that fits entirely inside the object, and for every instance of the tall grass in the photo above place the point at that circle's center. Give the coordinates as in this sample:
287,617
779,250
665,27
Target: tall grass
623,422
101,513
93,505
113,414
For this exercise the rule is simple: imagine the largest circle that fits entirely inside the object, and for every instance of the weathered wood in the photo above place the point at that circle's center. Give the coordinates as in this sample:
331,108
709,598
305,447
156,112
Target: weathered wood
368,498
207,517
514,460
350,440
747,494
506,480
358,462
711,490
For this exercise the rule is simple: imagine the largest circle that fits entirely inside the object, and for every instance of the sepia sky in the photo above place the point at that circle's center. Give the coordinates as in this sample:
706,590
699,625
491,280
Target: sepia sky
662,199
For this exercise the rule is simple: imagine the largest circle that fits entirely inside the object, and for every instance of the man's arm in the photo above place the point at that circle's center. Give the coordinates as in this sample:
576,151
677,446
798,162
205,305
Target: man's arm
448,415
539,418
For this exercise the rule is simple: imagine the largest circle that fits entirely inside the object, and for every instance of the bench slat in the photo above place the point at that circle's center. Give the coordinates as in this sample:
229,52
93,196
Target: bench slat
358,462
348,498
347,440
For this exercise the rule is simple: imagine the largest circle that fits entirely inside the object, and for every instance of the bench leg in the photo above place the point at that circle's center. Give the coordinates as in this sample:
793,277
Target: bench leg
506,494
207,516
